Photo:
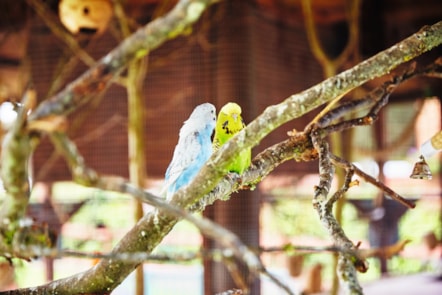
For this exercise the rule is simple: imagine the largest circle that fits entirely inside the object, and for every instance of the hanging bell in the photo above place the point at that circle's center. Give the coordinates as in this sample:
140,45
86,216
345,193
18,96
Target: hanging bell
421,170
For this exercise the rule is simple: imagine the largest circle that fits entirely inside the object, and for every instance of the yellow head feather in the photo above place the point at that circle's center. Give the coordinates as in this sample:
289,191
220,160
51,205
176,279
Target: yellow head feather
229,122
231,108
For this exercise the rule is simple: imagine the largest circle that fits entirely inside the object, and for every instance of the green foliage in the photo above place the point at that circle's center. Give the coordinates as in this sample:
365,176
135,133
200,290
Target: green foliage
420,220
296,217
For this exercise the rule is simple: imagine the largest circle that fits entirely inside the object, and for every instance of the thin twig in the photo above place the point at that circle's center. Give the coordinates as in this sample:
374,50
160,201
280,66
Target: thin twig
53,24
388,191
97,78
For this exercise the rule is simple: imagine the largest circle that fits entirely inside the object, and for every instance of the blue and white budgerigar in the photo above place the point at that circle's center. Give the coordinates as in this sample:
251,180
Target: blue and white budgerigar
193,149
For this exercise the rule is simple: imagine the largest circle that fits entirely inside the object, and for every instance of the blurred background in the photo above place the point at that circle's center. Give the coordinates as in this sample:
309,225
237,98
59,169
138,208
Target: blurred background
253,52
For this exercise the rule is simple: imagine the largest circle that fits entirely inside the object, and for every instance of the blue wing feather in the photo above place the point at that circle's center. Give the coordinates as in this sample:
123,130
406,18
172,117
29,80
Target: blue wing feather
192,151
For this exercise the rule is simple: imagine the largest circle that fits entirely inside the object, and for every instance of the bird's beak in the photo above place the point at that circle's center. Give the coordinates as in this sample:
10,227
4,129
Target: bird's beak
235,117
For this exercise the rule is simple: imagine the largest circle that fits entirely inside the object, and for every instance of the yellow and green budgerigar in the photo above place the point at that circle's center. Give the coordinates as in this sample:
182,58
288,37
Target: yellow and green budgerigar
228,123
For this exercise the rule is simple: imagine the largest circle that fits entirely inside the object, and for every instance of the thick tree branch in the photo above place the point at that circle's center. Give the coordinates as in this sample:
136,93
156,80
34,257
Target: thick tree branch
17,232
299,104
166,213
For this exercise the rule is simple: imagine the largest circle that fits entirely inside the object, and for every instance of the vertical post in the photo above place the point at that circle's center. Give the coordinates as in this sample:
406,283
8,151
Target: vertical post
231,82
136,72
240,215
136,147
381,143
